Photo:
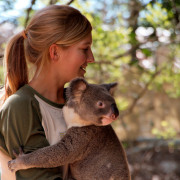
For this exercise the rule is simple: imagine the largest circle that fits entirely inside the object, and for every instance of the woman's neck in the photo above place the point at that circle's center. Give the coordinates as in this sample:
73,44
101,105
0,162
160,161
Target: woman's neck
46,85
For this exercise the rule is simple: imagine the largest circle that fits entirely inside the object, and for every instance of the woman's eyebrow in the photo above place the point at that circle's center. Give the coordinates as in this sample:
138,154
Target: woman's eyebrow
87,43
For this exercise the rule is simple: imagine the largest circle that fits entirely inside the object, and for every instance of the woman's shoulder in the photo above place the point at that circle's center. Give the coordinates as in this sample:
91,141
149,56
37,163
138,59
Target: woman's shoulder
22,98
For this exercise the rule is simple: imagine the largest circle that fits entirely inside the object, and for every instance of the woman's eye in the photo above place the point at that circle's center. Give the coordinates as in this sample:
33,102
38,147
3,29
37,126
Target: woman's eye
85,48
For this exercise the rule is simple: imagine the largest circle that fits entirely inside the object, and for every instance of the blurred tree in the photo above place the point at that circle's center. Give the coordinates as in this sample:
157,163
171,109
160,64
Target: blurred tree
5,6
135,42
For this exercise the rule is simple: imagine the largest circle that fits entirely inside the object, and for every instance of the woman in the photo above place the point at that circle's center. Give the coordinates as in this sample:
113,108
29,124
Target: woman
57,47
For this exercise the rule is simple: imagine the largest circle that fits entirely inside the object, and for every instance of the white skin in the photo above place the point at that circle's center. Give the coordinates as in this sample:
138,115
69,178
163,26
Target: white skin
65,64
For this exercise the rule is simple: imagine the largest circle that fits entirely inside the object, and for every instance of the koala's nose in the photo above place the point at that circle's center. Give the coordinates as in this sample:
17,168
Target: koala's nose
115,111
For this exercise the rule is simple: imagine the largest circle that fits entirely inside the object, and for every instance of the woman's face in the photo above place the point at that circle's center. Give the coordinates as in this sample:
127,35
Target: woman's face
74,59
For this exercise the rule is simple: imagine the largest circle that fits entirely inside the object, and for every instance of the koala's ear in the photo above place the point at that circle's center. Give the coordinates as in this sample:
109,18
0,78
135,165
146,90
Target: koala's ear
110,87
76,88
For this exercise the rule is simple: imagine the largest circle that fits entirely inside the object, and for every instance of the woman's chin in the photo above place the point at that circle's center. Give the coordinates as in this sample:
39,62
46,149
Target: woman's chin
81,75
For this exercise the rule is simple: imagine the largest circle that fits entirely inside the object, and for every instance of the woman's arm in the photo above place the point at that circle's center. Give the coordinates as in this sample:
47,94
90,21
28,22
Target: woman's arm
20,125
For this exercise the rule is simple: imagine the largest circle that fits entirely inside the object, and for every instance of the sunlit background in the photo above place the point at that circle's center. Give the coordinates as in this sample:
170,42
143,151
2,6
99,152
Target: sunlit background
137,44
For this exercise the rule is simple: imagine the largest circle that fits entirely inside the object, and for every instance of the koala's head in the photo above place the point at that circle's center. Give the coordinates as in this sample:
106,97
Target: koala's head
91,104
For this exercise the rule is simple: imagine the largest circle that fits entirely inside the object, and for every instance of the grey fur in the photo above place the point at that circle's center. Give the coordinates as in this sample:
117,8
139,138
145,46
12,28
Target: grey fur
93,151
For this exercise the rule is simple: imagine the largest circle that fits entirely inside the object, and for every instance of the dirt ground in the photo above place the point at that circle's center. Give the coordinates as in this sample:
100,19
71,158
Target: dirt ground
162,163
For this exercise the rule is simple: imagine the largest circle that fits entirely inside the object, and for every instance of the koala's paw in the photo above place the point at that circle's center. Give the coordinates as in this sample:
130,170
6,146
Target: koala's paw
17,164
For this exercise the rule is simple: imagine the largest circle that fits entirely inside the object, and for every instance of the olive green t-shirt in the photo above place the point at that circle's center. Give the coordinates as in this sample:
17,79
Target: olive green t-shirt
21,125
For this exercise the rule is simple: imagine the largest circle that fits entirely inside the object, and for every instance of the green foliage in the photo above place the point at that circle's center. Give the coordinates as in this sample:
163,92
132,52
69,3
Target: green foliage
122,103
156,16
146,52
166,131
107,44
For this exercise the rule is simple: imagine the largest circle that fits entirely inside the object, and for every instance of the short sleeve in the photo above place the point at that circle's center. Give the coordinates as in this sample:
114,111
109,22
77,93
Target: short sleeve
20,125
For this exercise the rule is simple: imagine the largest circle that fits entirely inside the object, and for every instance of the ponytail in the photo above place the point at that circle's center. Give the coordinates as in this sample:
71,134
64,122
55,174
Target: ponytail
15,65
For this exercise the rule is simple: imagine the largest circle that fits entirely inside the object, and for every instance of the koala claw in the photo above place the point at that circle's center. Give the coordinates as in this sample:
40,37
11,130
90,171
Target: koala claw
11,166
16,164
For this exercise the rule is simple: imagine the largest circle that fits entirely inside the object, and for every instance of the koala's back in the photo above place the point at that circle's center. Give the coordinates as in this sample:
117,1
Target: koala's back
102,158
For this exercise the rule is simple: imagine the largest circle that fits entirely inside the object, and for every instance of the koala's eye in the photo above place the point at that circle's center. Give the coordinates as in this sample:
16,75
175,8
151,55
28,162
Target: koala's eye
100,104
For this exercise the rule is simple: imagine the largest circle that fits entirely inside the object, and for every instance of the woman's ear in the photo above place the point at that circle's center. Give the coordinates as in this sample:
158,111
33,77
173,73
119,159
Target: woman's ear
54,52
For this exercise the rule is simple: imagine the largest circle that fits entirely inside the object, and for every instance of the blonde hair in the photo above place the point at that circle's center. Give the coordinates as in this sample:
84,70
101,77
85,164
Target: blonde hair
59,24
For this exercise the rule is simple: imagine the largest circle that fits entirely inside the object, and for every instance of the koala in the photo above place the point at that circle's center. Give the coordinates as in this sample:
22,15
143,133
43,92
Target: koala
90,149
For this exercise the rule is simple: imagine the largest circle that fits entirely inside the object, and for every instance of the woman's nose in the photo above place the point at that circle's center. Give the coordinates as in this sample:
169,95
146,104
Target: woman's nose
90,58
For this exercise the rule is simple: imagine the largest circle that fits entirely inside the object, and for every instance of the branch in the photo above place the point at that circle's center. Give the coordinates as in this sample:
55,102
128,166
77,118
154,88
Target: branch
176,12
132,106
151,143
1,56
105,62
70,2
52,2
28,12
128,52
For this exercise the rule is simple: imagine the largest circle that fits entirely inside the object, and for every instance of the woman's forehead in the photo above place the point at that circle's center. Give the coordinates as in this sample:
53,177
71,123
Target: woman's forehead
87,40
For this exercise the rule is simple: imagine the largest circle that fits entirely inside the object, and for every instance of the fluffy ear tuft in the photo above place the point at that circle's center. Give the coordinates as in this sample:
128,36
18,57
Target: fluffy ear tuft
76,88
110,87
